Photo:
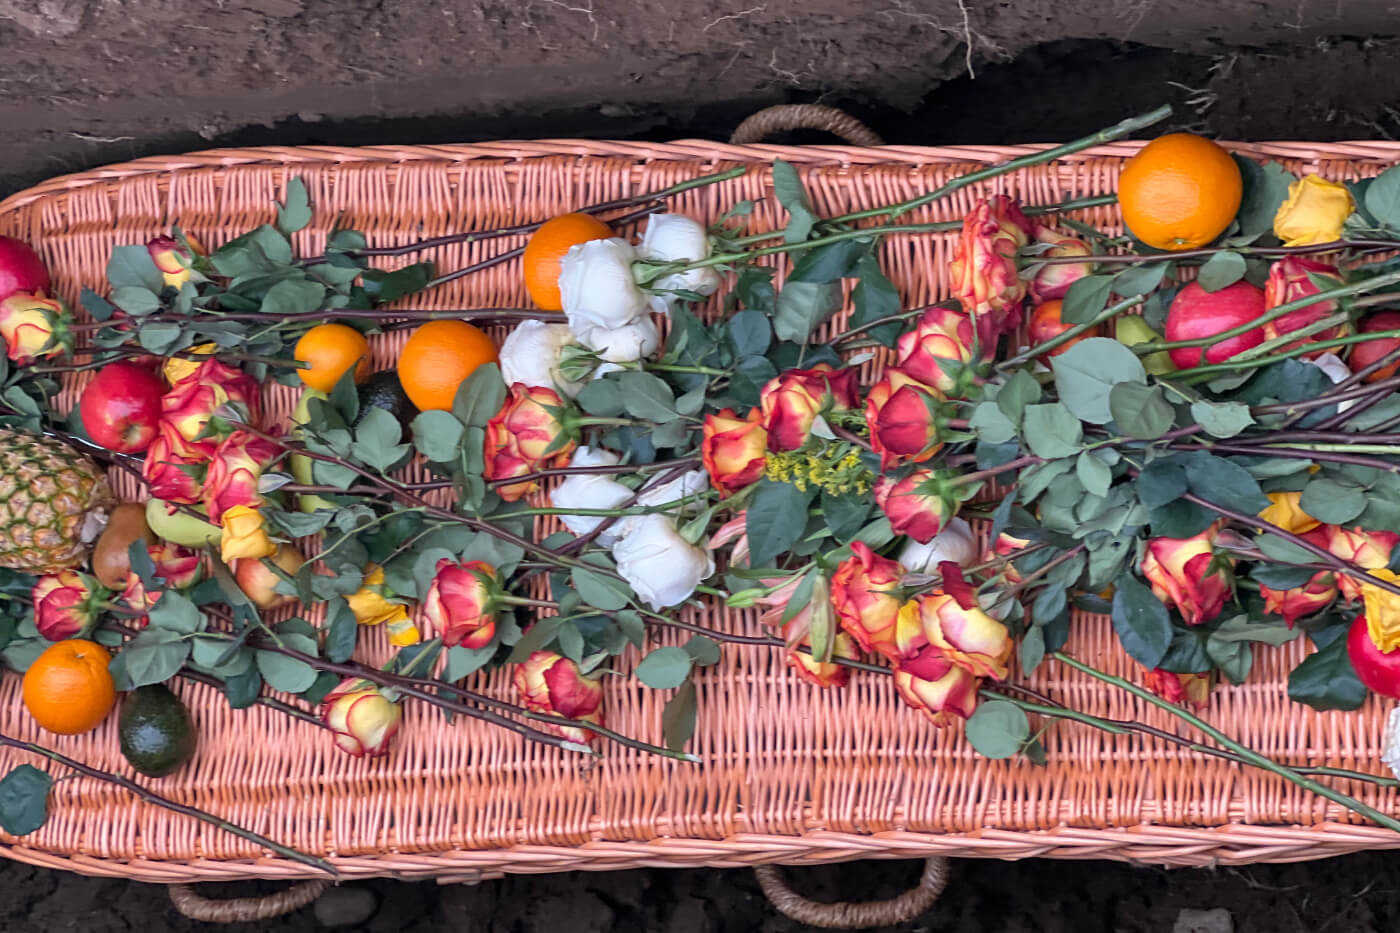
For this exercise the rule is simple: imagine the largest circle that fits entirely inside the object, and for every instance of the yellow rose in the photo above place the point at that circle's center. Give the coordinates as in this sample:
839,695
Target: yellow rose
1287,513
244,535
1314,212
177,368
1382,611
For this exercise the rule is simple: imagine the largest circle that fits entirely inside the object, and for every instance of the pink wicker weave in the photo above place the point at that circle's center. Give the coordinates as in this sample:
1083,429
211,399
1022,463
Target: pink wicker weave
792,774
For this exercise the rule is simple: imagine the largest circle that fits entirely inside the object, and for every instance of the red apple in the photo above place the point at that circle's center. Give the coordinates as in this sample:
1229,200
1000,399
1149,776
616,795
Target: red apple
259,582
121,407
21,269
1046,325
1197,313
1364,354
1378,670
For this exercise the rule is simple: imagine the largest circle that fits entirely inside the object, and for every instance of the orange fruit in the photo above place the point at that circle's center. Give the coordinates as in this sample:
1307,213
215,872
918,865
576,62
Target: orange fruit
331,349
546,250
1180,192
68,688
438,358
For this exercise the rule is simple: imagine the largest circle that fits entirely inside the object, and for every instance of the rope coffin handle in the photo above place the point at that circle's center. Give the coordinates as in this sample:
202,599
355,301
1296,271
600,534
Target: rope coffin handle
245,909
852,915
786,117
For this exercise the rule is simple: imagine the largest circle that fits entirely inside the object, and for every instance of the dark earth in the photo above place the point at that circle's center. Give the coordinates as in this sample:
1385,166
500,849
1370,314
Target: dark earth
87,82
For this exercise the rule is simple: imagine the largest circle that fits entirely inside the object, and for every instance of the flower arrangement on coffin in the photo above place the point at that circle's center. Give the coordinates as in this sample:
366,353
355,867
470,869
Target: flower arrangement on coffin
1186,427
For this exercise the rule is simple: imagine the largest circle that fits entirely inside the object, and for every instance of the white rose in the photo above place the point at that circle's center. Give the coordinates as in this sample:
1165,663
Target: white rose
595,279
530,355
678,238
1390,749
624,344
1336,370
606,368
955,543
661,566
590,491
692,483
586,456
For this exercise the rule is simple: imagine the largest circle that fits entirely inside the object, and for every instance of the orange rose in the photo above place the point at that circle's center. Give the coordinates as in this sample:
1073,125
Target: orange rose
194,401
792,401
244,535
917,505
733,449
1291,279
35,327
983,272
362,719
1004,546
1179,688
905,418
234,472
1176,570
551,683
1369,550
939,334
943,699
954,631
865,592
174,468
828,674
1053,281
521,438
460,605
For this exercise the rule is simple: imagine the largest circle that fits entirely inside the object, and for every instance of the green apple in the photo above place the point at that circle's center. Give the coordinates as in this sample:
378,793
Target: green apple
180,527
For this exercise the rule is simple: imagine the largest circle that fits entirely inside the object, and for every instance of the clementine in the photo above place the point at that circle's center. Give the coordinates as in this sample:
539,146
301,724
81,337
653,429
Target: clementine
68,688
438,358
1180,192
545,251
331,349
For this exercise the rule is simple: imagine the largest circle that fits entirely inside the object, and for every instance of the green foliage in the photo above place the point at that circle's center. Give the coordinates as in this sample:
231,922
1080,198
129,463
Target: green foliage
24,800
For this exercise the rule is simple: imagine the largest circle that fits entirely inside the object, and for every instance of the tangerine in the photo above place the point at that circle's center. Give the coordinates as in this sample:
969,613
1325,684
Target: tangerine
68,689
1180,192
545,251
331,349
438,358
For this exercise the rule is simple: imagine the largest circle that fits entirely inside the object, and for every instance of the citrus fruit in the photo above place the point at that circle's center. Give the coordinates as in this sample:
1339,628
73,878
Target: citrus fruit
1180,192
438,357
546,250
331,349
68,689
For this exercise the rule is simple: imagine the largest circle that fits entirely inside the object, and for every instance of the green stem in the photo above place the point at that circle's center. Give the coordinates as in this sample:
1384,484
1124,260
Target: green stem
1040,349
151,796
1248,754
1229,366
699,370
509,600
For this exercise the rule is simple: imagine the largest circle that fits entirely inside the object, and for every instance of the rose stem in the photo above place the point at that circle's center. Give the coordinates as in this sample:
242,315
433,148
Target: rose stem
1292,454
489,315
1334,246
151,796
1340,393
261,700
1248,754
1111,311
601,469
845,336
519,229
678,469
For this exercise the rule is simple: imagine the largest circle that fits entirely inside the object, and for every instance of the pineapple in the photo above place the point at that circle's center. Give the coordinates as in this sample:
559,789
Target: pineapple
53,502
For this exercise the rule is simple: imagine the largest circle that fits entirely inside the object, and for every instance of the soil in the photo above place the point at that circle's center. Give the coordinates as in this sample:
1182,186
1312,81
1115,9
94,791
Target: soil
86,82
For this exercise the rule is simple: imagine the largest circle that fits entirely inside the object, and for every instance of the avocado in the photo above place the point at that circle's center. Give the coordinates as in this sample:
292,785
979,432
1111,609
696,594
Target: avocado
156,734
383,390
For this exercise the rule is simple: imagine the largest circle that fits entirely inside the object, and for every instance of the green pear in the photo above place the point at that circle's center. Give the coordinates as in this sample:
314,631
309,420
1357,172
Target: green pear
180,527
301,464
1130,329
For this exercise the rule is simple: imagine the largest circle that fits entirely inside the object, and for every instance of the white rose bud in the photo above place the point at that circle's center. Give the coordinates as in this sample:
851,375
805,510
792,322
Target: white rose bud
955,543
591,491
678,238
623,344
595,279
530,355
692,483
661,566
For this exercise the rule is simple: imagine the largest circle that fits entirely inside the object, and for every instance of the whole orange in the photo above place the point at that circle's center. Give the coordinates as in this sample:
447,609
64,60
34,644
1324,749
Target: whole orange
68,688
545,251
331,349
438,358
1180,192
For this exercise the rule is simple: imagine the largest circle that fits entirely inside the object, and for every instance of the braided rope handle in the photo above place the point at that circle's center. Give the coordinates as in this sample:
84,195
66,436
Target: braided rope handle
786,117
853,915
245,909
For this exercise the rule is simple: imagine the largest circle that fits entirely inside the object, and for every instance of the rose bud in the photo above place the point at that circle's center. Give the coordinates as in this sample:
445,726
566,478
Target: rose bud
944,699
1286,511
908,426
733,449
597,287
735,530
1178,571
244,535
630,342
176,566
259,582
1053,281
194,401
939,334
1291,279
361,717
66,604
983,272
1005,546
792,401
917,506
1313,212
172,259
1309,599
551,683
461,604
137,598
866,594
678,238
523,438
1368,352
1369,550
958,631
234,472
530,356
661,566
35,327
892,381
1179,688
824,674
371,606
174,468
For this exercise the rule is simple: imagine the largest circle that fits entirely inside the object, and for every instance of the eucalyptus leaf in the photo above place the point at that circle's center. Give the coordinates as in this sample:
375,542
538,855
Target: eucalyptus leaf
1052,431
1140,411
1222,419
436,435
1085,299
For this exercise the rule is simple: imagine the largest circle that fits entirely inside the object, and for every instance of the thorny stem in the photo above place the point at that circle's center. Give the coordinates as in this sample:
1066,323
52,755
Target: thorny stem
1141,258
261,700
587,470
488,315
151,796
845,336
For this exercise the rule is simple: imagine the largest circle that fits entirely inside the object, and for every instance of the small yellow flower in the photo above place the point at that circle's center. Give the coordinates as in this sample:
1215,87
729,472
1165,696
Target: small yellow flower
1287,512
1313,213
1382,611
